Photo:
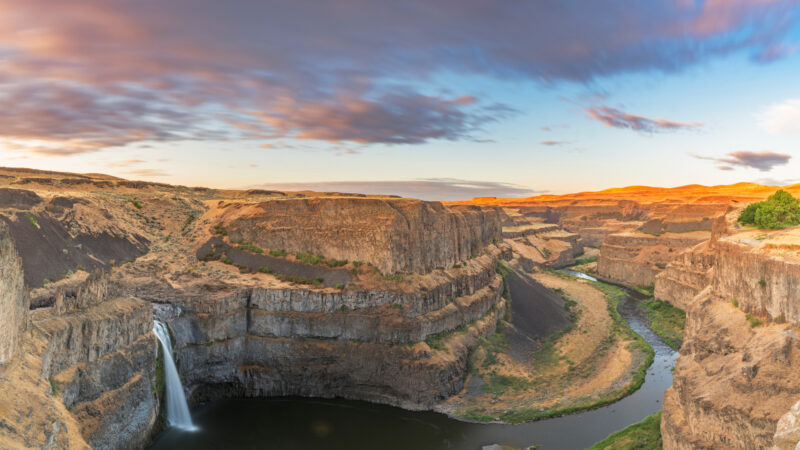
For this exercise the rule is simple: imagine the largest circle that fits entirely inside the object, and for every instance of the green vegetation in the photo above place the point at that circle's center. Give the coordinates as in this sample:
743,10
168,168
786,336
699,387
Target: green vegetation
54,386
647,290
393,276
226,260
588,260
336,262
340,286
263,269
278,253
645,435
762,283
32,220
780,210
666,321
753,320
248,247
219,229
477,415
397,306
300,280
735,303
189,221
308,258
136,203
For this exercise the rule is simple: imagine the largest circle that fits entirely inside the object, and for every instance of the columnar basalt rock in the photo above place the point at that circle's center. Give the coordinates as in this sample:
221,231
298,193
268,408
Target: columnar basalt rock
635,258
396,235
13,300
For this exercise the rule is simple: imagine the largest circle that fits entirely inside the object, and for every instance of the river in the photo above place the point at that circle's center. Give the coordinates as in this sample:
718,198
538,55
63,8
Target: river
290,423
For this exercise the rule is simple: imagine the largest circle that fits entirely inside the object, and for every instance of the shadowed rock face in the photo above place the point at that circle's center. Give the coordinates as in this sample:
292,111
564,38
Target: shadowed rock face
396,235
18,198
13,299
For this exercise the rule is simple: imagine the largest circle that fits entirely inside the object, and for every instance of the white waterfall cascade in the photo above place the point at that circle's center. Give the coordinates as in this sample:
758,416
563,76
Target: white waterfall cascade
177,409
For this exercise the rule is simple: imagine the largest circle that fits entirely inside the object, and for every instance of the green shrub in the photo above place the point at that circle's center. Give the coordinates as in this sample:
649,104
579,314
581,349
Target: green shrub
393,276
219,229
336,262
340,286
762,283
263,269
753,320
318,281
735,303
780,210
278,253
249,247
308,258
136,203
32,219
226,260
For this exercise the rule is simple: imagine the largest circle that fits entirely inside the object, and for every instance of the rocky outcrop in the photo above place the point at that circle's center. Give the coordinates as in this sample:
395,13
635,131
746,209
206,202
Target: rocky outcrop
101,362
732,383
322,342
735,382
635,258
765,284
686,276
13,300
396,235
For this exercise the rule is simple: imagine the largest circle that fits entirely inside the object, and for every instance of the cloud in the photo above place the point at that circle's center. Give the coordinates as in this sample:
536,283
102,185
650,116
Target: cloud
781,118
553,143
147,173
96,74
425,189
763,161
775,182
126,163
612,117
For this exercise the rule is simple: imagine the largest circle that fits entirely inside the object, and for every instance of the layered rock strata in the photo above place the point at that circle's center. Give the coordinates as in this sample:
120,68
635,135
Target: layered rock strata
323,342
396,235
635,258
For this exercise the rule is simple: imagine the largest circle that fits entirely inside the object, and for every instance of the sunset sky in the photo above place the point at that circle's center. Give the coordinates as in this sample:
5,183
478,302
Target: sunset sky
430,99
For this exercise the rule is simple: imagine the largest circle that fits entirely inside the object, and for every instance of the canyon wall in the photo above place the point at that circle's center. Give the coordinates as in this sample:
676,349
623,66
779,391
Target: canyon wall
396,235
401,346
13,300
635,258
735,383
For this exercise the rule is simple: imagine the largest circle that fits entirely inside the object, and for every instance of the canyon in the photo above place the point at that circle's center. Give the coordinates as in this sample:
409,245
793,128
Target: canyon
372,298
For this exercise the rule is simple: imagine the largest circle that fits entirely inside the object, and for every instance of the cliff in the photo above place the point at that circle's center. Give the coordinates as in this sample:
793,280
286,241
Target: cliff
635,258
13,300
734,385
396,235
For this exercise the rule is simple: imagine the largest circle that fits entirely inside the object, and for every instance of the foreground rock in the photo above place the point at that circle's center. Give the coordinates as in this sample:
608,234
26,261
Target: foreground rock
735,383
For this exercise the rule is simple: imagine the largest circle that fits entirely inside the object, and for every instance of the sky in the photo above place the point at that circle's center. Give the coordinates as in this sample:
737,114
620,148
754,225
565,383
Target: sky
440,100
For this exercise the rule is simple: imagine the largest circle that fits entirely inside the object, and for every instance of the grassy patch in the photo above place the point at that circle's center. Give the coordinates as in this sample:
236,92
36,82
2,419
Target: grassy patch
645,435
647,290
340,286
477,415
248,247
263,269
335,262
753,320
735,303
393,276
220,230
278,253
588,260
54,387
189,221
136,203
666,321
308,258
300,280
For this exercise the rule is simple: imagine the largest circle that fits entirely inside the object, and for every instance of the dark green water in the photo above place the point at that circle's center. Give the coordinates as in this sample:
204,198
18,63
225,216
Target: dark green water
298,423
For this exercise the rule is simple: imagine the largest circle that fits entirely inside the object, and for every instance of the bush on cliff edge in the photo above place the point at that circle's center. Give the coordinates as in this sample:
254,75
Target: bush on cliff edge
780,210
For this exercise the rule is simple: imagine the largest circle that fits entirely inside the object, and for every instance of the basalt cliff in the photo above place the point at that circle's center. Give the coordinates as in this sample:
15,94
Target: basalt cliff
264,293
736,382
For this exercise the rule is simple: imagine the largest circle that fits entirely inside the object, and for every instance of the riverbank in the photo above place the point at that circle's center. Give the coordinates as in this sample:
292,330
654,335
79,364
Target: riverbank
594,361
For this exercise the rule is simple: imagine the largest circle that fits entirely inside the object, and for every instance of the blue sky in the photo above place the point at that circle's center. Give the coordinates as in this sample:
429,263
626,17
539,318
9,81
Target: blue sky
439,101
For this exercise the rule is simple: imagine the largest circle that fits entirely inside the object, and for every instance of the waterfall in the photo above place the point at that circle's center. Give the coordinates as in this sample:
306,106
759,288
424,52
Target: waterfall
177,408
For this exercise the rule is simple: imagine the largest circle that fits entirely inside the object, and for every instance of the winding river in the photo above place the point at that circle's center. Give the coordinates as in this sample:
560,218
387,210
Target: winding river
289,423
